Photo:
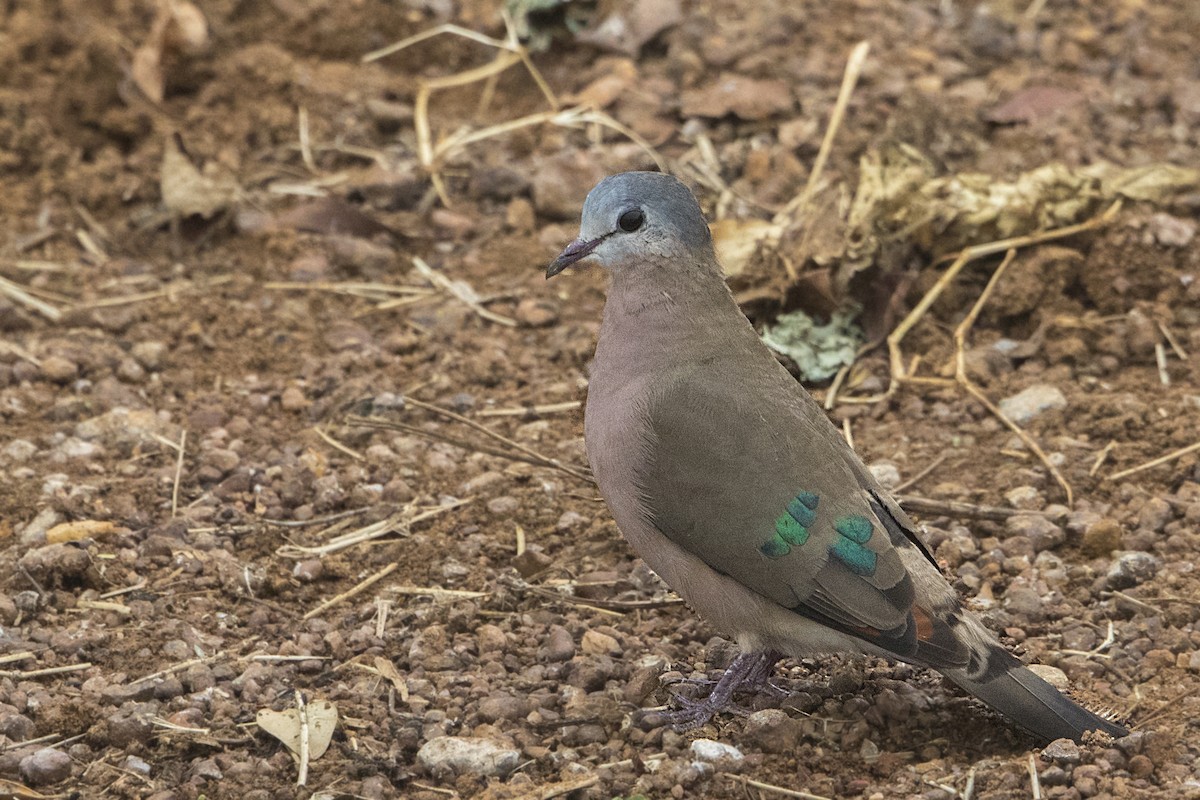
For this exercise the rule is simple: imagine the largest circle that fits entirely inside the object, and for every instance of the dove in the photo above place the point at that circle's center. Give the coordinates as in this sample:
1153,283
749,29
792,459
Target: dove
732,484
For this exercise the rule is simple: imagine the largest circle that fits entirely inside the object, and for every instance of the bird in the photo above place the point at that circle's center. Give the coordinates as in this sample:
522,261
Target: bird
733,485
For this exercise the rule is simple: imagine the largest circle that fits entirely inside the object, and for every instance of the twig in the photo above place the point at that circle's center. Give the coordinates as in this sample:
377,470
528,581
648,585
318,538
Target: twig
531,411
1102,456
334,443
400,522
915,479
1171,340
302,718
460,292
305,146
958,509
773,788
960,375
1035,783
356,589
1160,358
41,673
178,474
1174,454
566,787
18,293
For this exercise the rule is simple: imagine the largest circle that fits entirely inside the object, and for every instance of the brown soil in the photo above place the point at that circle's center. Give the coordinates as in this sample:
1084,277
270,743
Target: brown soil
172,326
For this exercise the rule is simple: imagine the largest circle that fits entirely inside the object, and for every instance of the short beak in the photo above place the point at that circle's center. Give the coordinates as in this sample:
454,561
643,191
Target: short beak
575,251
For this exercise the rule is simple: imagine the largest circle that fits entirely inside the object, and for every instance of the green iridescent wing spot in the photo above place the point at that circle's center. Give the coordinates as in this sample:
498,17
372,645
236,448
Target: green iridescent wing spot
790,530
775,547
791,527
854,527
855,531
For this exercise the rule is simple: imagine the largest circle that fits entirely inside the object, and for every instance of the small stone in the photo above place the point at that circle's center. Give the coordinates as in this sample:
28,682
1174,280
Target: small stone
149,354
309,570
46,766
1140,766
502,706
58,369
519,215
773,731
1130,569
1023,407
1155,514
503,505
556,183
887,473
559,646
571,521
1171,231
293,399
19,450
491,639
1051,675
746,98
713,751
537,312
1102,537
1040,531
597,643
462,755
531,562
1025,498
1062,751
497,183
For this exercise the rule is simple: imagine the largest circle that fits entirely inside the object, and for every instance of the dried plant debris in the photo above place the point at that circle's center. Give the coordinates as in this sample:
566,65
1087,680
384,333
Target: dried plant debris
819,351
179,28
188,190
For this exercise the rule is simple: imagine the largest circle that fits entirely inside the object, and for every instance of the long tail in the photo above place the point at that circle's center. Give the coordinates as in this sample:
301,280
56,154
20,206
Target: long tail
1011,688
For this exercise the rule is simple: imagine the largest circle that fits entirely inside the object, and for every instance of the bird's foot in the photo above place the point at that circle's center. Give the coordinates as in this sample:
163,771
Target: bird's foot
748,671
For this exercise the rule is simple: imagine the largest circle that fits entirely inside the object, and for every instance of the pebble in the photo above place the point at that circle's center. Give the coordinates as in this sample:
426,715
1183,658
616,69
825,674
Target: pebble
1154,515
462,755
502,706
293,399
1102,537
537,312
59,369
1062,751
149,354
597,643
887,473
1130,569
745,98
713,751
45,766
19,450
556,183
1025,406
1041,532
1025,498
558,646
772,731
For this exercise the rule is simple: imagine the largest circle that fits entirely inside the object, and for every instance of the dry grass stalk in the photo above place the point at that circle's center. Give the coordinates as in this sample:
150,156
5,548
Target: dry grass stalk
334,443
21,295
438,593
960,375
178,475
399,523
45,671
1169,457
461,292
433,155
531,411
1101,457
180,667
354,590
770,787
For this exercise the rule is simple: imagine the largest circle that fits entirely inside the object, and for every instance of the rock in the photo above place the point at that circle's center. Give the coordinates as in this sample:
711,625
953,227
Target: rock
59,369
293,399
1062,751
502,706
1051,675
1155,514
46,766
1041,532
462,755
531,562
491,639
746,98
1171,231
559,646
537,312
597,643
1102,537
19,450
1025,406
1130,569
887,473
1025,498
557,180
149,354
712,751
497,183
773,731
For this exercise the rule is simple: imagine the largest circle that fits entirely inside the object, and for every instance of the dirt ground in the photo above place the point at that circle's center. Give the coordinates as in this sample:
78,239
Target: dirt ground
200,293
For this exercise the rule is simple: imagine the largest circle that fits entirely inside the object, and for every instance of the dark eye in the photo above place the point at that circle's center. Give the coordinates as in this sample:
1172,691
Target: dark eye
630,221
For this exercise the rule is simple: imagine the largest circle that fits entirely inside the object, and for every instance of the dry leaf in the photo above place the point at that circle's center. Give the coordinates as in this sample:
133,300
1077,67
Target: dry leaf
737,240
186,190
80,529
285,726
388,670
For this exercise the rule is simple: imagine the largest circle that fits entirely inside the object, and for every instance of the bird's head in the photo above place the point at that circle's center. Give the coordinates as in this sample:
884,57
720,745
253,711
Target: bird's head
637,218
